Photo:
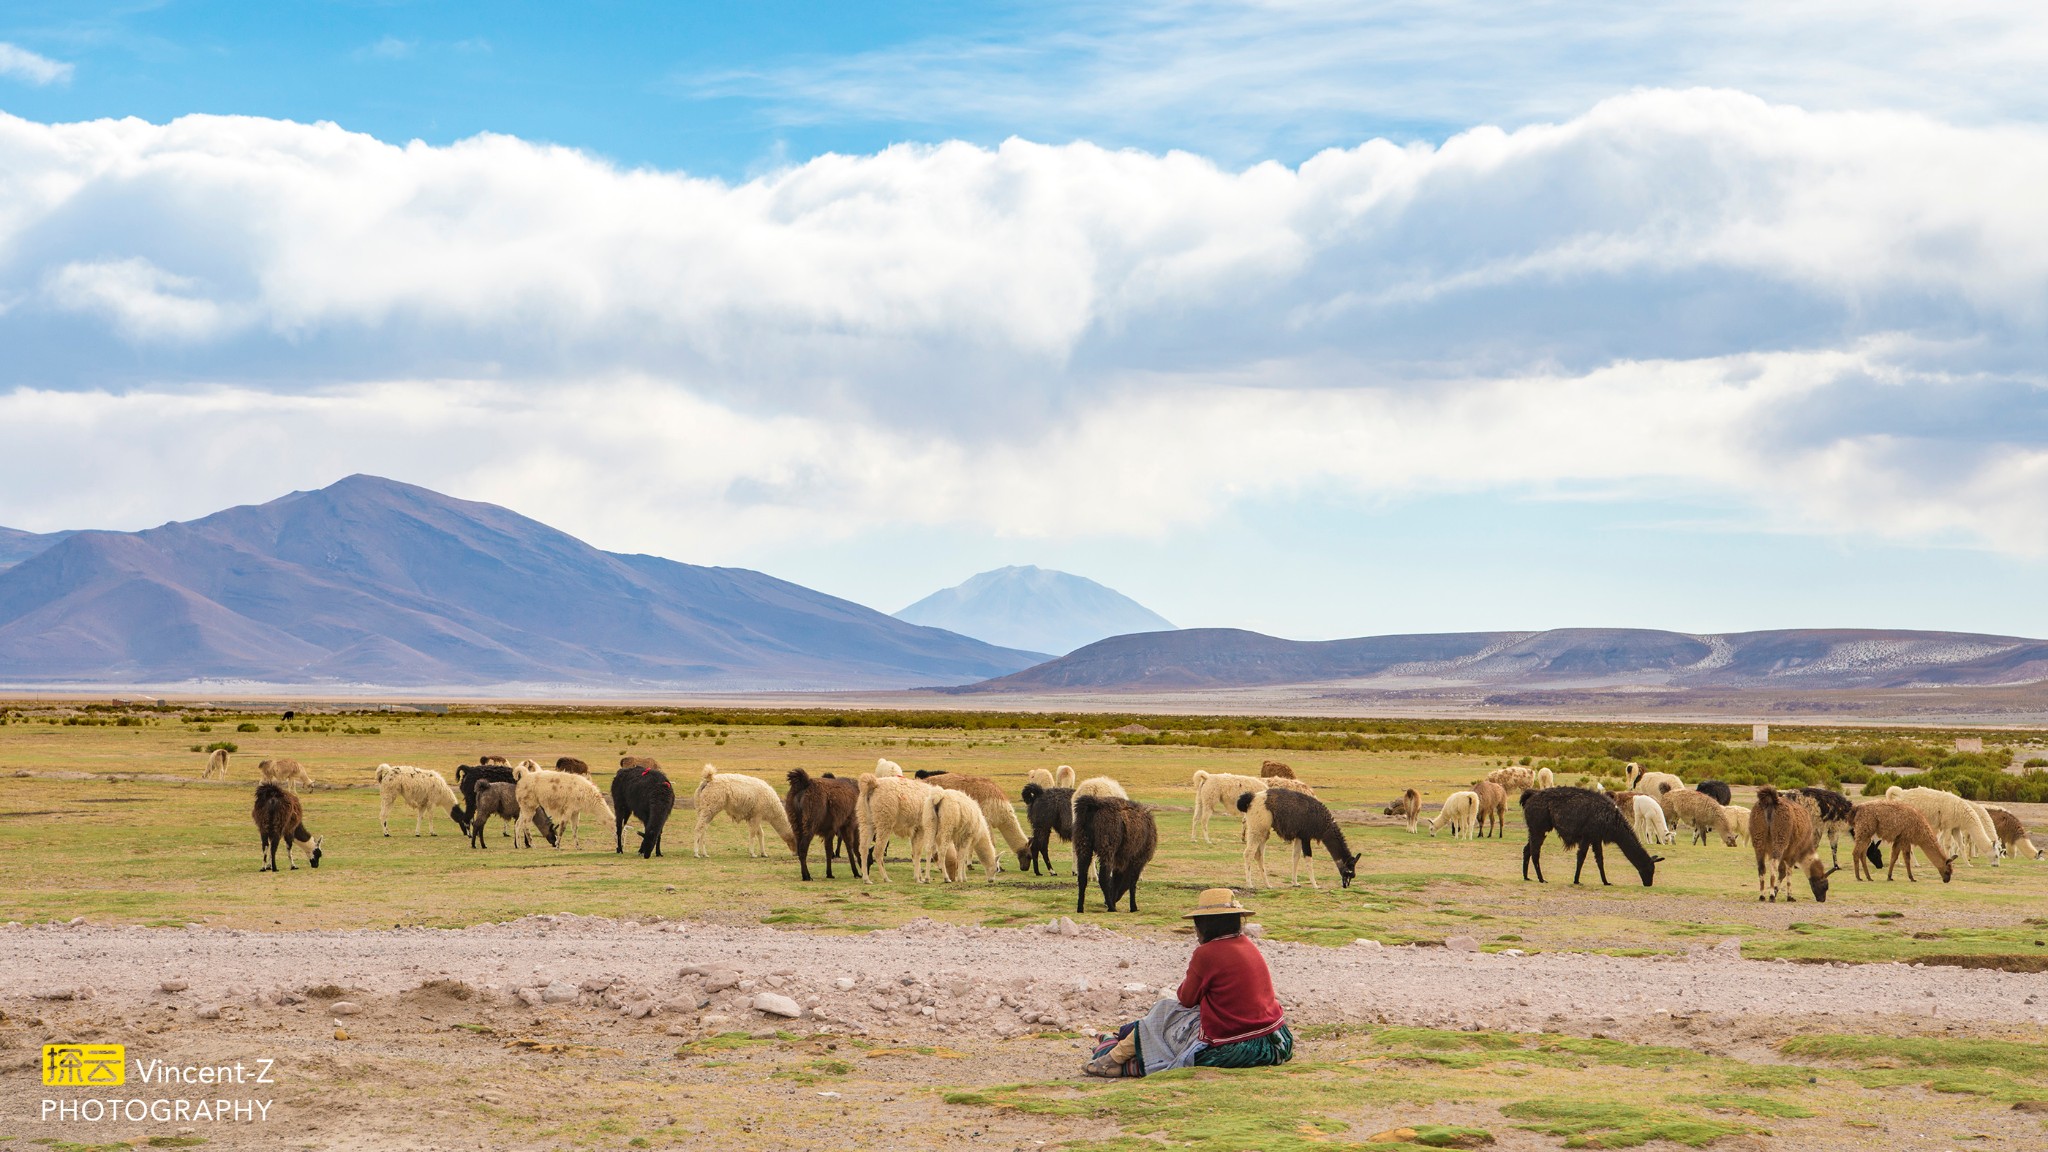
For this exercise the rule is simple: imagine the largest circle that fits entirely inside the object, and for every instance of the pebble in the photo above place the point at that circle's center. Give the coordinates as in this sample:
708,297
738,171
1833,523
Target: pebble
776,1004
174,985
1462,944
560,992
844,983
209,1012
1368,945
344,1007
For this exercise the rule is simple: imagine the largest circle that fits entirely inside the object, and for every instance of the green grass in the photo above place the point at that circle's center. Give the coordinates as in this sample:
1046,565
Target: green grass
166,849
1589,1125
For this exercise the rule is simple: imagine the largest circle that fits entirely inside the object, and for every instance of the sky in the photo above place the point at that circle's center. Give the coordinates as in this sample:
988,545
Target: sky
1307,316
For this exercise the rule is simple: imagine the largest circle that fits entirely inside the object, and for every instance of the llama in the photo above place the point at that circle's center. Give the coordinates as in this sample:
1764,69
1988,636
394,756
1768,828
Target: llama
1299,820
216,765
1461,812
995,809
468,779
1904,828
1493,806
642,792
1652,783
500,798
1582,819
887,767
1214,789
1702,812
567,798
2012,835
418,789
1118,837
1512,778
1738,816
494,761
1718,789
284,770
280,820
525,766
1963,828
1834,816
1064,776
745,799
575,767
954,826
1272,769
1785,836
1042,777
891,806
1545,778
1408,808
826,808
1100,786
1646,816
1052,813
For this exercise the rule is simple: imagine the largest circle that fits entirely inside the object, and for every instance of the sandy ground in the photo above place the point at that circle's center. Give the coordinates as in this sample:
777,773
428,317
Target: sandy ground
438,1021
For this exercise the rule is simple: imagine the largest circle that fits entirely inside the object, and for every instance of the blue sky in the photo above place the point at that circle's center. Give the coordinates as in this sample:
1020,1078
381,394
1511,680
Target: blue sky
1316,317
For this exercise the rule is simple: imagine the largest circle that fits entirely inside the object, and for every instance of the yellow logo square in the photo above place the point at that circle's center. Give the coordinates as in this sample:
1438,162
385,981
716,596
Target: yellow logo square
85,1065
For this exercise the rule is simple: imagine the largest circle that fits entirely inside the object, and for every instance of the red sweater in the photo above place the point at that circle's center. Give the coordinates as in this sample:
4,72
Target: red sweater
1229,980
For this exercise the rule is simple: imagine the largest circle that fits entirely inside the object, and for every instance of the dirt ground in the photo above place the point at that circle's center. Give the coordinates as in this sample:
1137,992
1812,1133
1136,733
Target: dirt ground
563,1031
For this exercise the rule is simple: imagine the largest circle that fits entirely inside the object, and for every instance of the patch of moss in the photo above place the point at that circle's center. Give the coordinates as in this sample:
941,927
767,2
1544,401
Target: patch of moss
2029,1060
1593,1125
1754,1105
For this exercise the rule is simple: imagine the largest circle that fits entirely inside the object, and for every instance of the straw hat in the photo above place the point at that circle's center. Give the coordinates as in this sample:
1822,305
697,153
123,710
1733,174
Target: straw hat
1217,902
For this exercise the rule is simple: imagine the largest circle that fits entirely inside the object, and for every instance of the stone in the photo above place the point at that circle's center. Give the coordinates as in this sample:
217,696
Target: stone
595,984
529,997
209,1012
174,985
1462,944
560,992
1255,931
844,983
1368,945
341,1034
721,980
344,1008
1731,949
776,1004
1068,927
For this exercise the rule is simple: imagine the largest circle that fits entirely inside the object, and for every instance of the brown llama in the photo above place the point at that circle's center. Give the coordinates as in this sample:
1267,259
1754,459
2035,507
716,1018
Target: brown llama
1119,837
280,820
1408,808
1904,828
995,808
1785,835
576,767
1275,768
1493,807
828,808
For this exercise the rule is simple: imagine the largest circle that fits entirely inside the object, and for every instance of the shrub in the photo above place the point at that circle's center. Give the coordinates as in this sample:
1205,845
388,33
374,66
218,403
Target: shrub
217,745
248,726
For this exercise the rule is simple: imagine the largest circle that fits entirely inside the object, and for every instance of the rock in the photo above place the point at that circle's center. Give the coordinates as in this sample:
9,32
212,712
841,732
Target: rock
761,1034
1068,927
340,1034
560,992
776,1004
529,997
640,1009
1510,952
927,1010
679,1029
1731,949
721,980
844,983
829,1095
344,1008
1462,944
692,970
595,984
1368,945
748,985
209,1012
174,985
668,888
1255,931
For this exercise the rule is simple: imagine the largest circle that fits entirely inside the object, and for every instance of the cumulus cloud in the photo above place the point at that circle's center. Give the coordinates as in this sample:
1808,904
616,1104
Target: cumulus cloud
1832,317
22,64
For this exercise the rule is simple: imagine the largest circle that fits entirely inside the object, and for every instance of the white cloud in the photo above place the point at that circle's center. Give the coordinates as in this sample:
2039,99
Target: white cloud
23,64
1832,317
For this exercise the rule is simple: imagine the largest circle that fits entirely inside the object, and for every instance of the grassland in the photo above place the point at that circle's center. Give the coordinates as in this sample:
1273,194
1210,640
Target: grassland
137,838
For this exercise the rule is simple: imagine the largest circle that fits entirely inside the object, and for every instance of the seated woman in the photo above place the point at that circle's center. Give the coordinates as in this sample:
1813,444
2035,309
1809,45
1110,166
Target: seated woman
1225,1016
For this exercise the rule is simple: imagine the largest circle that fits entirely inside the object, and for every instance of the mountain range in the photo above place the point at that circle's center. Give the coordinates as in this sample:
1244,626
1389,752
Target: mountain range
374,582
1578,658
1037,609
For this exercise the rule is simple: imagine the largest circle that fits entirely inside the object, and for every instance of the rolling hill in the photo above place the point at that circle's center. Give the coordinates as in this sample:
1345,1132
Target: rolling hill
1212,658
374,582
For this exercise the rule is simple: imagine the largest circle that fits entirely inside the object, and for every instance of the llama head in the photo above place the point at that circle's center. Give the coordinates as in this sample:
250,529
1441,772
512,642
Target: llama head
1648,870
1347,867
314,858
1817,879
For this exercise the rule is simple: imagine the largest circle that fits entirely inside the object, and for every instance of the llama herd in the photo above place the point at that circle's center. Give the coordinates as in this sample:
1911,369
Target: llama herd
953,820
1783,828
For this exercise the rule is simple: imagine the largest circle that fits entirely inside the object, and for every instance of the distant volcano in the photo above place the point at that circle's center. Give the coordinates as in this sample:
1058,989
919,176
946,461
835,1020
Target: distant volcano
1036,609
373,582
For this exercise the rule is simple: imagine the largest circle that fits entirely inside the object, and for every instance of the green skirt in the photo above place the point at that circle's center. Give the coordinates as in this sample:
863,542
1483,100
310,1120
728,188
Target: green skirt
1273,1048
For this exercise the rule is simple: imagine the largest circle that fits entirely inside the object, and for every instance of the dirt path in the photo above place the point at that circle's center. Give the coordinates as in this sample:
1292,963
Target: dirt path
452,1033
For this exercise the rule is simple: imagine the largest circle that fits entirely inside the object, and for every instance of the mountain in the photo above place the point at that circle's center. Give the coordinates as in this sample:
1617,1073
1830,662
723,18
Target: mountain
1207,658
374,582
16,545
1034,608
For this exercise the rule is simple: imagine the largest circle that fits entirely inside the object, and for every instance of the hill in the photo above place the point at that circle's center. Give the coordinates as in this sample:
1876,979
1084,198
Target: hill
16,545
1036,609
1209,658
374,582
